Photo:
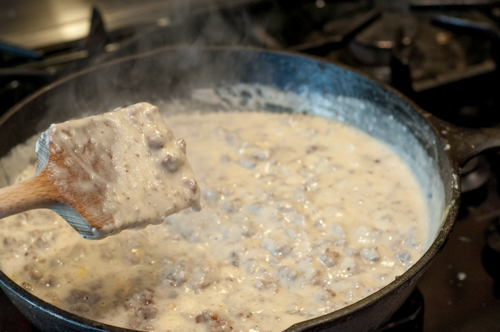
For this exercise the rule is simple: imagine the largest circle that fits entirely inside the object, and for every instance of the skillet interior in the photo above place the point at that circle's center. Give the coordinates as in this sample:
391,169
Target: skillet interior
320,88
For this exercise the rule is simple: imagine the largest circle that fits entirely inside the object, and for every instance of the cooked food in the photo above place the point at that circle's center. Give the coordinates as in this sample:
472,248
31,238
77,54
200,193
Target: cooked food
105,173
300,216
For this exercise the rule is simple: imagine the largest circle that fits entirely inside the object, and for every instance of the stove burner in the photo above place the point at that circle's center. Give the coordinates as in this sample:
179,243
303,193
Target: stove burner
409,318
97,39
491,254
374,46
475,174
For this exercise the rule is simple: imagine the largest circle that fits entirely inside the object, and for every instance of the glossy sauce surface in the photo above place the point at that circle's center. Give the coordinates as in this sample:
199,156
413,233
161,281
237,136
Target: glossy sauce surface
300,216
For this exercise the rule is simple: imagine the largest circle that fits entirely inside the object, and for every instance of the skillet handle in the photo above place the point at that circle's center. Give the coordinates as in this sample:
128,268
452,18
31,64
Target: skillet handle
464,143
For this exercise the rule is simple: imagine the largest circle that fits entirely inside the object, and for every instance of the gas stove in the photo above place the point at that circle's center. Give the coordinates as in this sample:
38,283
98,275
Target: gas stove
443,54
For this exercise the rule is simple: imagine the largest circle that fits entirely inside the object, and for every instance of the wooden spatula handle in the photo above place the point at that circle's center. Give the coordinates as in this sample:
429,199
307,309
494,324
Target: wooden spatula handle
34,193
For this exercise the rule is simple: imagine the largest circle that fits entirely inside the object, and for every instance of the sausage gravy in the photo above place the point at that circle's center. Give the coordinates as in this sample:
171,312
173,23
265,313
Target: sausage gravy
300,216
127,158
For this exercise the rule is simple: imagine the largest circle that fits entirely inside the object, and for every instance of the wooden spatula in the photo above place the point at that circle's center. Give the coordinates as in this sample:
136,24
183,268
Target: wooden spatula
105,173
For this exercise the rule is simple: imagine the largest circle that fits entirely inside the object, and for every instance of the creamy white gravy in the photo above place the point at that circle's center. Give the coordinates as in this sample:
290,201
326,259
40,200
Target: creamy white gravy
300,216
129,158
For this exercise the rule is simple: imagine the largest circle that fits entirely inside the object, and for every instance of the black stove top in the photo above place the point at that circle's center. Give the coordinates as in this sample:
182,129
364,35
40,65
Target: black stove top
443,54
460,288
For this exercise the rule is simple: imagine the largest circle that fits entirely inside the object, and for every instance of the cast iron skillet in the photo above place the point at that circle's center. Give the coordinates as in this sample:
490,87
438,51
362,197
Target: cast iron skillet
435,150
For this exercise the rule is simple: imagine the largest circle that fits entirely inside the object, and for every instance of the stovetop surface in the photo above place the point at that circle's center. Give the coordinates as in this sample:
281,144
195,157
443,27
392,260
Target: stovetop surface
448,69
458,292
